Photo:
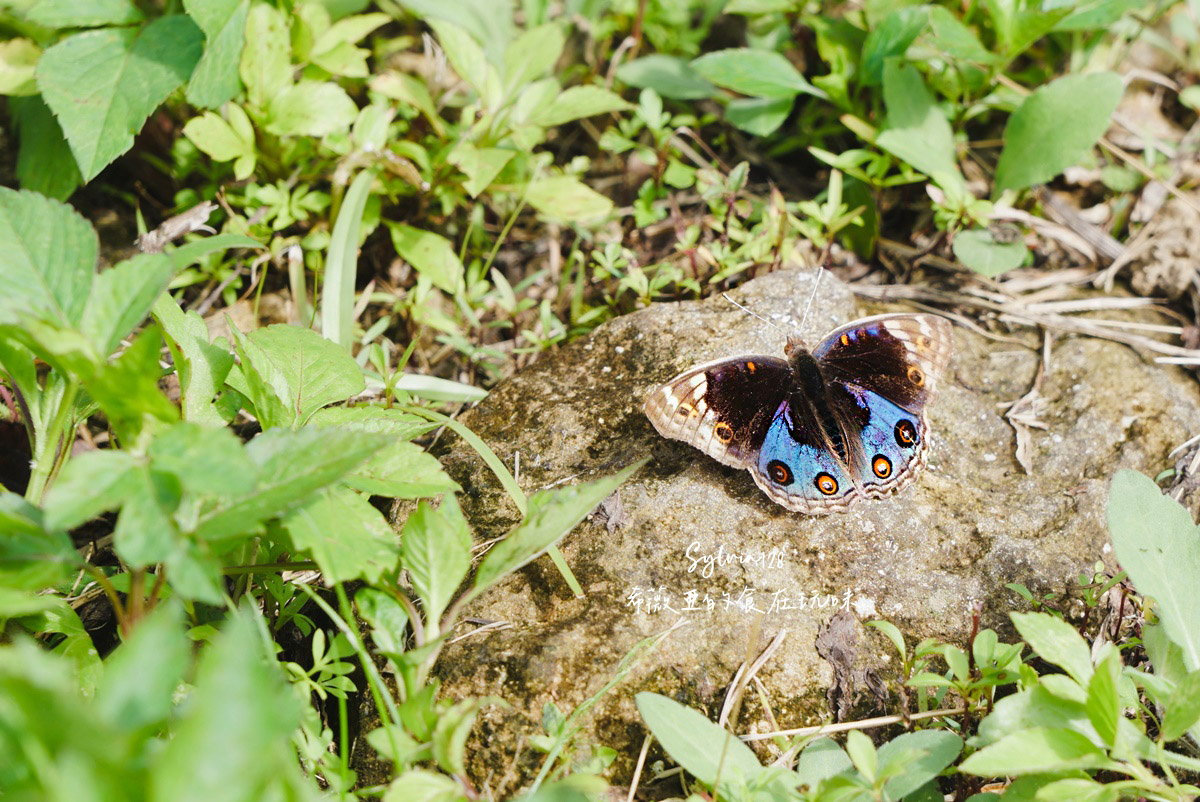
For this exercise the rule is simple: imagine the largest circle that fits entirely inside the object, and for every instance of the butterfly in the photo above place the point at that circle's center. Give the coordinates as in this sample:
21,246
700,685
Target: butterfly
821,429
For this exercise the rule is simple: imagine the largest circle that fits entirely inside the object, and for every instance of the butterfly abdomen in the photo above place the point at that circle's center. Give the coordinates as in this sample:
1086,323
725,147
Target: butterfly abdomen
810,389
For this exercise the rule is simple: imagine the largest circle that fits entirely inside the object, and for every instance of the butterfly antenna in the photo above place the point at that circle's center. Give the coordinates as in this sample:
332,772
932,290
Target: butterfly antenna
811,296
752,313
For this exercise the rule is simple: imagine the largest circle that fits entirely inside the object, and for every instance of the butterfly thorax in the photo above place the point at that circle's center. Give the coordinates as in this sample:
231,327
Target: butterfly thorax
811,400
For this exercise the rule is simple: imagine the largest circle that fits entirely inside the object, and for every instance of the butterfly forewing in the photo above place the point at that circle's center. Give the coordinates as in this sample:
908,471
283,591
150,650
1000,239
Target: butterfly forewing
723,408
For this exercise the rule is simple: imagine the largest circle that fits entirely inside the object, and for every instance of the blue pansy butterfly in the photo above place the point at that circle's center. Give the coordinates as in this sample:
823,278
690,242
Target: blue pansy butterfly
818,430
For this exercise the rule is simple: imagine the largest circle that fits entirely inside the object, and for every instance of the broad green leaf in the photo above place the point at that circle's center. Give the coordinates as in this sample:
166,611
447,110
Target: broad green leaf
956,39
481,165
90,484
1035,751
103,84
346,536
566,198
215,79
1155,541
1057,642
76,646
18,58
145,533
334,50
402,470
552,514
206,461
310,108
1103,702
237,724
862,755
201,366
127,389
431,254
820,760
1054,127
979,250
122,297
49,262
936,749
373,419
292,466
386,617
299,369
31,558
478,17
464,54
1183,712
758,73
341,266
44,163
890,39
1096,14
450,735
422,785
195,573
1076,789
142,675
669,76
697,744
411,90
435,548
370,131
217,138
266,66
760,116
917,129
532,55
83,13
577,103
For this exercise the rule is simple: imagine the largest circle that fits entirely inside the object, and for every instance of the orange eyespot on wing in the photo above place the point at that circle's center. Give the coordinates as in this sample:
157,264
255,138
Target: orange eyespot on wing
723,432
916,376
826,484
906,434
882,466
780,473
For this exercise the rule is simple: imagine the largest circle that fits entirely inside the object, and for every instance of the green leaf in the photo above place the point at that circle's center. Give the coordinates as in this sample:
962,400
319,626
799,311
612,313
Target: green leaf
402,470
90,484
1035,751
1096,14
292,466
292,372
450,735
200,366
395,422
122,297
1054,127
862,755
481,165
49,262
552,514
18,58
431,254
44,163
192,252
31,558
334,50
103,84
341,268
215,79
348,538
1183,712
917,129
237,724
310,108
697,744
1156,543
436,551
892,633
464,54
758,73
760,116
221,142
206,461
1057,642
577,103
669,76
979,250
386,617
127,389
890,39
820,760
142,675
83,13
266,65
145,533
564,197
532,55
1076,789
1103,702
76,647
421,785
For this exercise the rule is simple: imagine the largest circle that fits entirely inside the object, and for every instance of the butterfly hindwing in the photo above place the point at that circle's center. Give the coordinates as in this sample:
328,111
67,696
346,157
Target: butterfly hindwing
797,470
892,443
723,408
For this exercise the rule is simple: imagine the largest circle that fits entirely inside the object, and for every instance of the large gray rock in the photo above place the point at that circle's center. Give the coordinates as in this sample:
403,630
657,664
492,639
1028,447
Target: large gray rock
972,522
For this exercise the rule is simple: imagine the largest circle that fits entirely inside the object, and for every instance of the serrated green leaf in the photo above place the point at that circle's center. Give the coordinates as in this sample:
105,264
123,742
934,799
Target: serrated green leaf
200,366
145,533
127,389
402,470
122,297
206,461
431,254
215,79
383,420
435,548
1054,127
92,483
44,163
310,108
103,84
266,66
346,536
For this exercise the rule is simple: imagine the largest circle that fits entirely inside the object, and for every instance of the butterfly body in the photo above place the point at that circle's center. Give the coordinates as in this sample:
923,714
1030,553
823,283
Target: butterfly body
821,429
